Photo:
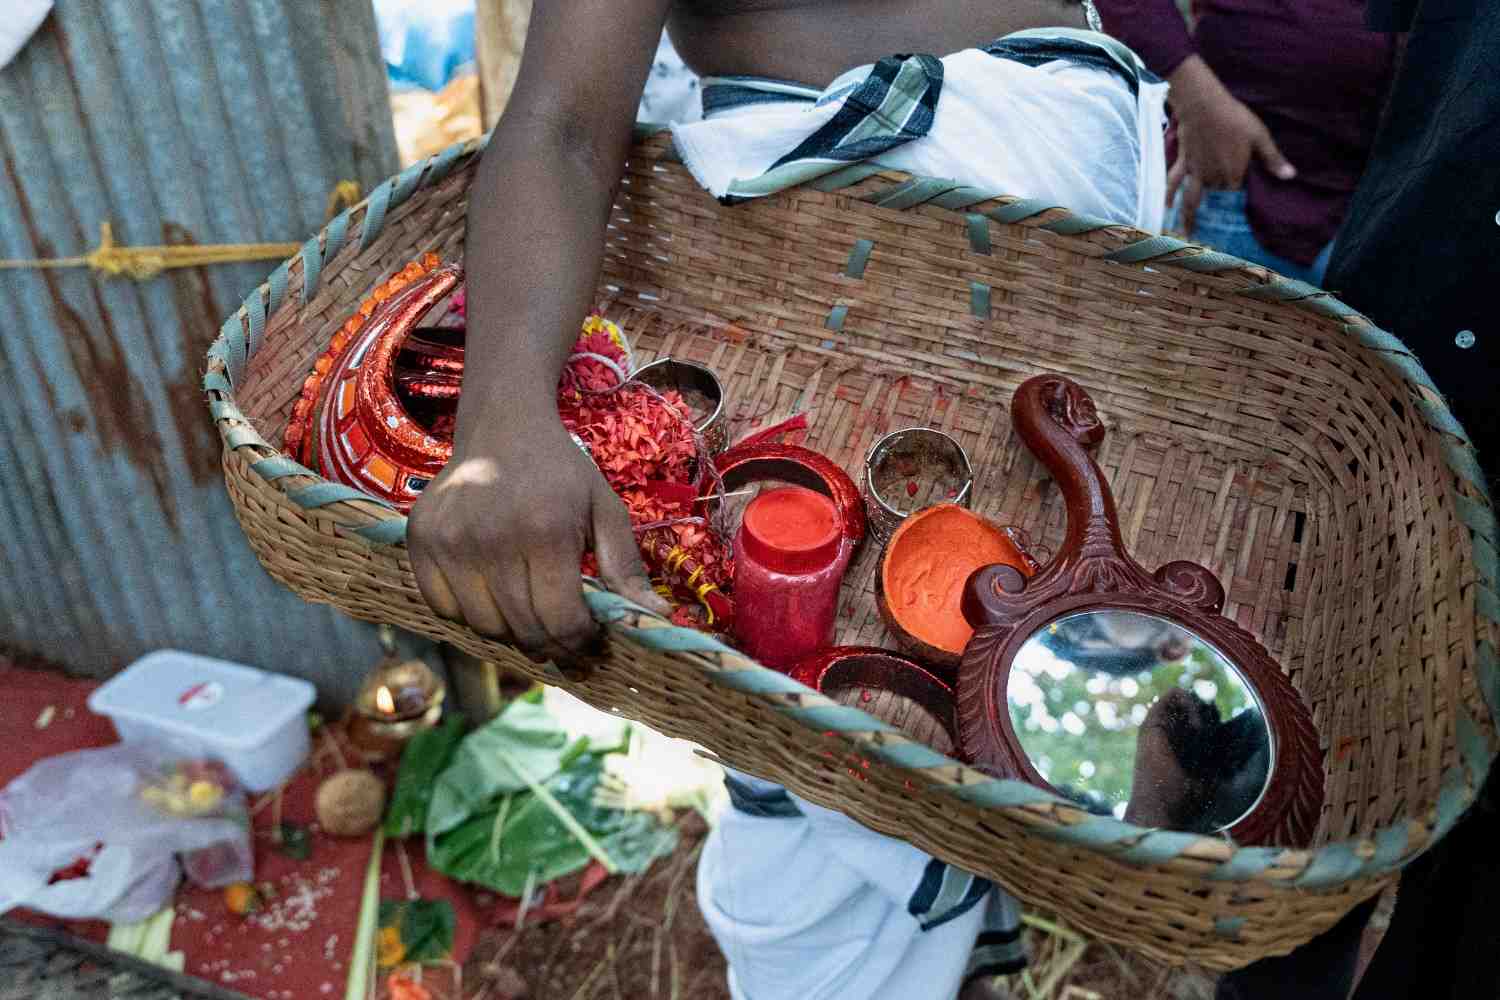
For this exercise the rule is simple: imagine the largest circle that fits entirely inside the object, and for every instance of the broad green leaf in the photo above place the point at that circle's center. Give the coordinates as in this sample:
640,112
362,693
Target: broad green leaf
534,845
426,927
423,760
477,774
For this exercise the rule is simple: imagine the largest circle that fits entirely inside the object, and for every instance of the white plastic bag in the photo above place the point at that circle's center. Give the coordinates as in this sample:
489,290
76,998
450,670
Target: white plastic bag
22,18
88,805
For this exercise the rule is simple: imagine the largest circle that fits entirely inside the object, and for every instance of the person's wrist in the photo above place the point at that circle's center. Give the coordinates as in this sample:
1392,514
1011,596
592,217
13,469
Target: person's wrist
1195,89
508,423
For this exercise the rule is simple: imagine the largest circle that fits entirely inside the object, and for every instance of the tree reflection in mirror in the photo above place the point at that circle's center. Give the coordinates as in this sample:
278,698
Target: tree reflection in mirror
1131,715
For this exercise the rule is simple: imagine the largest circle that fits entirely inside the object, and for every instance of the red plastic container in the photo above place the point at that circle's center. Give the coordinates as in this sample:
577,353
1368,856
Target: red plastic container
790,557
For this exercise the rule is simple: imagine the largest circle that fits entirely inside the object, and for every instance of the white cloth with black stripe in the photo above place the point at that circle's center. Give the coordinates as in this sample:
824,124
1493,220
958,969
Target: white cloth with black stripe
806,904
1069,116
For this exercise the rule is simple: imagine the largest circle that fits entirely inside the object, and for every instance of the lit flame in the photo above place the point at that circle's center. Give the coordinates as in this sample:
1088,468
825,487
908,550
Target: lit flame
384,701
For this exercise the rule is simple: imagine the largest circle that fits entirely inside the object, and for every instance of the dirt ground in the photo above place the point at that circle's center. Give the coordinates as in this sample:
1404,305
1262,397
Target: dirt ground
633,938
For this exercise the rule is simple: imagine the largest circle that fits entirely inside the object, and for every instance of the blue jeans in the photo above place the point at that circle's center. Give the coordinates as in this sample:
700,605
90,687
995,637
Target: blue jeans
1223,225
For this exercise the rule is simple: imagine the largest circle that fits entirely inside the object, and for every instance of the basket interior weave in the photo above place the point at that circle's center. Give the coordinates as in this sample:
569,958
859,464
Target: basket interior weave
1258,438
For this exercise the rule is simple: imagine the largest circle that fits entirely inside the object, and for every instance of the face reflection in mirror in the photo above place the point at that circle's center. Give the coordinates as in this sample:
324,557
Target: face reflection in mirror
1131,715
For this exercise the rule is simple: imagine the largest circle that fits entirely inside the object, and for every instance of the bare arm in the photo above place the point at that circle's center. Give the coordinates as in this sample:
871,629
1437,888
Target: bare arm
1216,134
496,539
1216,137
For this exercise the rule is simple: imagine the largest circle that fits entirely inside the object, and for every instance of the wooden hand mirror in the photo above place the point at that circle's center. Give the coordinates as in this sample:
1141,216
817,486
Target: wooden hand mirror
1123,690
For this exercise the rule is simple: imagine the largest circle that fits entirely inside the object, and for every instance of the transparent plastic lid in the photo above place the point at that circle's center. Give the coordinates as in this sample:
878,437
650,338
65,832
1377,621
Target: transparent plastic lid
211,700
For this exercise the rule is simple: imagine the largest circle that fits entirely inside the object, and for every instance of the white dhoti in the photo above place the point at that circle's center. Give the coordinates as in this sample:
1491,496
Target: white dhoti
809,905
1070,117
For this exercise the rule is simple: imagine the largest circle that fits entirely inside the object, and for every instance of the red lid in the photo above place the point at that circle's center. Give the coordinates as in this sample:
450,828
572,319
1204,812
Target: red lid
791,530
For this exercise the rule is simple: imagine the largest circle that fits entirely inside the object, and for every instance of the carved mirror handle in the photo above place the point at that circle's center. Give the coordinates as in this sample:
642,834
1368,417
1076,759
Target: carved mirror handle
1091,570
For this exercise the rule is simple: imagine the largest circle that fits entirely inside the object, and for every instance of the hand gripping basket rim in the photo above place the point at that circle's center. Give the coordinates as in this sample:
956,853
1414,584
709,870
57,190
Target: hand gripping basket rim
1328,867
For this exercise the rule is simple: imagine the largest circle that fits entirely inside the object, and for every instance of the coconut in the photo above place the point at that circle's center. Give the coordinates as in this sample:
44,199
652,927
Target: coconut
350,803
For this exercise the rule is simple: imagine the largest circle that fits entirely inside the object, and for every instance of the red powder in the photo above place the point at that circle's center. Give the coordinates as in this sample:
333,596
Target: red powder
794,522
790,557
927,563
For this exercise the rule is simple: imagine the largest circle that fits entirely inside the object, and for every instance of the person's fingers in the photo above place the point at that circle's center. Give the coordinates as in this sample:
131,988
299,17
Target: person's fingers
434,585
620,566
449,584
480,611
572,635
1192,194
1175,176
427,546
509,585
1270,155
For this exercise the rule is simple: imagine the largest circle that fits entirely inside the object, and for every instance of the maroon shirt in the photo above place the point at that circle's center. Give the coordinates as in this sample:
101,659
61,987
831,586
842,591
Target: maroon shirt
1313,73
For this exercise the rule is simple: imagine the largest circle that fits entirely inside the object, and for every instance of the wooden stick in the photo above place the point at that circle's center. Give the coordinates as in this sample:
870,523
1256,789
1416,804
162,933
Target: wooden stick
1060,968
1125,969
1055,929
338,751
406,873
656,962
363,956
583,986
614,972
526,892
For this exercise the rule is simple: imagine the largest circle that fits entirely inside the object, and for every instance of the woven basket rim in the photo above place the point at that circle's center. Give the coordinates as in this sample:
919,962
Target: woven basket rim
1335,864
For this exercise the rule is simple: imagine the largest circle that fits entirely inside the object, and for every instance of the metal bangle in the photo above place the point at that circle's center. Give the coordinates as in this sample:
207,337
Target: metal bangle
885,518
671,373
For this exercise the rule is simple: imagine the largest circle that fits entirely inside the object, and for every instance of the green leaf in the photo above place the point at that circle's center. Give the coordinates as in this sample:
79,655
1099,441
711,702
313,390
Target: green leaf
424,759
477,774
483,786
426,927
295,842
535,845
638,841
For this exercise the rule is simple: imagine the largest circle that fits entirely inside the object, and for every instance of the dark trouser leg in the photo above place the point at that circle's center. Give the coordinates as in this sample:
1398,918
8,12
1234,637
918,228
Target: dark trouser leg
1322,969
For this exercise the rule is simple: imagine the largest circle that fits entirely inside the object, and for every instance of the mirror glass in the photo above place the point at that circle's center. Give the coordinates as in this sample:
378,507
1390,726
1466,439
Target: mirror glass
1132,715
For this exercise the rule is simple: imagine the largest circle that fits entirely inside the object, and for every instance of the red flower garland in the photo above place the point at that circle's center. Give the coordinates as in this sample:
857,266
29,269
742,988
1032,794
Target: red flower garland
642,441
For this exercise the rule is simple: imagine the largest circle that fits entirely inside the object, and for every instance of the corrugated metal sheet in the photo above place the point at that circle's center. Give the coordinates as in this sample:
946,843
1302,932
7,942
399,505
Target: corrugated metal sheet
207,121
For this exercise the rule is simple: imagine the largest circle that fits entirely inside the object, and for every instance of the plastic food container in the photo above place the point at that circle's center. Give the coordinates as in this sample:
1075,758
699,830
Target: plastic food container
253,721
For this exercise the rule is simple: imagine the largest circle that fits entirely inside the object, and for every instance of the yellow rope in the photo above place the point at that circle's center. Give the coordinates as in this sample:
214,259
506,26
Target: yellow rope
144,263
703,592
345,194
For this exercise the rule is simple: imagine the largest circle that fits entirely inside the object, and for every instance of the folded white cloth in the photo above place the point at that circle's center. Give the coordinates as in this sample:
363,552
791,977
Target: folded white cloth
22,18
1083,133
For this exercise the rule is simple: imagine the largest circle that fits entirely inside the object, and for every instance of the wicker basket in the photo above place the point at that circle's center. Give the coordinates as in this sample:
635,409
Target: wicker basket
1256,425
